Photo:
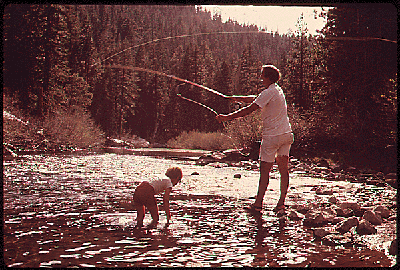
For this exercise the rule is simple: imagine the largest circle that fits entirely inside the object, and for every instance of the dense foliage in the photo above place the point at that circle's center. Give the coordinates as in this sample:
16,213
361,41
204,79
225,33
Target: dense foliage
342,84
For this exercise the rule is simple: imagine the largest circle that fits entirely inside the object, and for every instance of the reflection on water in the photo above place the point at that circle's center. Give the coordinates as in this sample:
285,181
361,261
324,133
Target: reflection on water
66,211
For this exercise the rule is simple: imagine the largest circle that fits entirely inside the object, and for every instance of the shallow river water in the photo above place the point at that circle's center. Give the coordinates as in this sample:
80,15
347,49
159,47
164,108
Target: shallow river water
75,211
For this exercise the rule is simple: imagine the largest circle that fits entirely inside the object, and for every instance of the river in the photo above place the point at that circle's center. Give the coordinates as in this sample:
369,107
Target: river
75,211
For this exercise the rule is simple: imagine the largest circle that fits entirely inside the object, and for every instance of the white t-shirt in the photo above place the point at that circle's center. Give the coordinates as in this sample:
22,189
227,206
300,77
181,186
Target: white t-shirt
274,111
160,185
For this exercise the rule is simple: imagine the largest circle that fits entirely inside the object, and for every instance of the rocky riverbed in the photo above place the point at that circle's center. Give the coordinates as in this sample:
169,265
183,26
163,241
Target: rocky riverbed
75,210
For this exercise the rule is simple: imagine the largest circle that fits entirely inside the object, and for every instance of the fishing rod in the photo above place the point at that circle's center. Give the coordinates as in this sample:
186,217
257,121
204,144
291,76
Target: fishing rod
169,76
198,103
212,110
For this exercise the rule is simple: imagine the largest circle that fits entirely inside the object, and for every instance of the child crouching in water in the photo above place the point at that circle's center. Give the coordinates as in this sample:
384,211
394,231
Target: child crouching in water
144,196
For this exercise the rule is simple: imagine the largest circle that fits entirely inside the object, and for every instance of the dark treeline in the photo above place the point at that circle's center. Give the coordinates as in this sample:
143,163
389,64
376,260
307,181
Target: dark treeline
62,56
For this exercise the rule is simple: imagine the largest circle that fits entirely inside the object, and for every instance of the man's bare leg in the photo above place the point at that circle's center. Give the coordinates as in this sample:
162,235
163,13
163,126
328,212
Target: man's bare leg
265,168
284,171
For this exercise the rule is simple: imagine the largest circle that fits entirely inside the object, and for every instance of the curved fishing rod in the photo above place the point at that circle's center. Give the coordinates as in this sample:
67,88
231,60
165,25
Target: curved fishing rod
174,37
169,76
198,103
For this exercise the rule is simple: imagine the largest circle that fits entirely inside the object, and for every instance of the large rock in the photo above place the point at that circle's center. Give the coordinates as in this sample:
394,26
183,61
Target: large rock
315,218
383,211
347,224
372,217
353,205
393,248
320,232
365,227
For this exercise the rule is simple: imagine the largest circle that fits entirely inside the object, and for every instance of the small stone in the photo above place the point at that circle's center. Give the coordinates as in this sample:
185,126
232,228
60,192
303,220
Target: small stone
195,173
238,175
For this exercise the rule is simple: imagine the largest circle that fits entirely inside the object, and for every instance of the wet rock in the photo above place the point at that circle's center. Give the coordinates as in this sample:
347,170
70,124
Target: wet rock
315,218
391,176
336,220
324,191
353,205
333,200
293,215
343,212
365,228
322,170
337,240
352,170
323,163
217,165
391,182
336,168
372,217
282,219
218,155
383,211
347,224
393,248
359,212
303,208
233,155
320,232
238,175
281,213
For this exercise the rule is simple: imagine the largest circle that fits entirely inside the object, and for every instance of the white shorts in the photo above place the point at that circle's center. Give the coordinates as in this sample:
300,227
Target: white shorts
272,146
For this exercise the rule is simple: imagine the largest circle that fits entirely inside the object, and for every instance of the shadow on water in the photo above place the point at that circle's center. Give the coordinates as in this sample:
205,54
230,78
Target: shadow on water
54,220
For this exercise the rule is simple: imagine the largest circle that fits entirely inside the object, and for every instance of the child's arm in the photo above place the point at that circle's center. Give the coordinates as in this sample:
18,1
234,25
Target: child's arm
166,203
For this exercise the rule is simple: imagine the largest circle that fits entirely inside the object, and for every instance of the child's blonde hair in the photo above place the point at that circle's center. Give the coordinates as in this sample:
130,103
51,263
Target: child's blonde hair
174,172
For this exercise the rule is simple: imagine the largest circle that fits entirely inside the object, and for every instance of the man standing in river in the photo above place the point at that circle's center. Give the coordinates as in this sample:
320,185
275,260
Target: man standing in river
277,136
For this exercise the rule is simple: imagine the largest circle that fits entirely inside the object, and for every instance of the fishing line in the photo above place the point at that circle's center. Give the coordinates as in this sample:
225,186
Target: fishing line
174,37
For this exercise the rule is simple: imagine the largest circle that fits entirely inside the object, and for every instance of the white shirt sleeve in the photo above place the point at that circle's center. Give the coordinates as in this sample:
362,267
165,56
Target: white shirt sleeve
263,98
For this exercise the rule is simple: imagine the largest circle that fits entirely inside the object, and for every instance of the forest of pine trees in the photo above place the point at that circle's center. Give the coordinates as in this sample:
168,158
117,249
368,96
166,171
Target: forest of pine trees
66,56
